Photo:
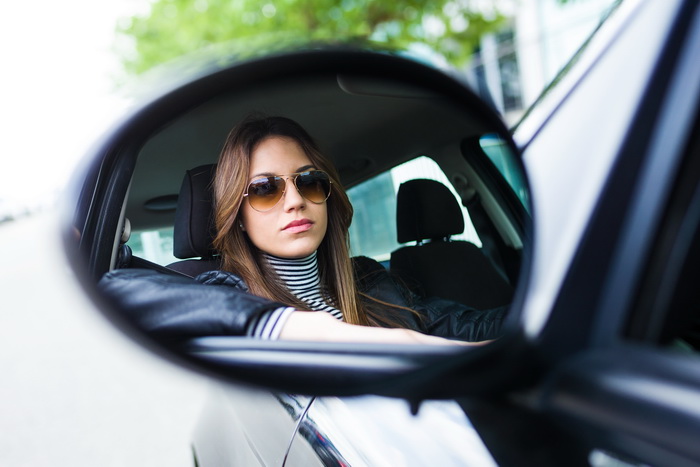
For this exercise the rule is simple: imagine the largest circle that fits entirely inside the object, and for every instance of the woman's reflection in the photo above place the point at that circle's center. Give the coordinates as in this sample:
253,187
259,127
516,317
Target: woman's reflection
281,222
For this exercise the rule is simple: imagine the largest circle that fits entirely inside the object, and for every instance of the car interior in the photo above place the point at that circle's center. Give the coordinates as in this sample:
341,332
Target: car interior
428,214
455,230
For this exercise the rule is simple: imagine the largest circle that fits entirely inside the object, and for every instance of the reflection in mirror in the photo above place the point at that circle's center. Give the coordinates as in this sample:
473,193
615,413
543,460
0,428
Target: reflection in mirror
358,197
503,159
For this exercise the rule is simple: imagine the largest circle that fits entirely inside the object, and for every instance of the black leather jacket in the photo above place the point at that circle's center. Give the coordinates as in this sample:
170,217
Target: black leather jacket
174,307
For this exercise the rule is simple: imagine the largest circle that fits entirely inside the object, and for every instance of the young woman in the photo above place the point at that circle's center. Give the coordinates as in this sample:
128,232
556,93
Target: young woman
282,220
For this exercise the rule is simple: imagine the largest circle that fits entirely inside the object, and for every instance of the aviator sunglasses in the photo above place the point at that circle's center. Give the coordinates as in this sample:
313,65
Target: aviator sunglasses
264,193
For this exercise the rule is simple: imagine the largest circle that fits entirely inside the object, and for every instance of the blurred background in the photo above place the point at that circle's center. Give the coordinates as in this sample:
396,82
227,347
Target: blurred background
71,68
73,390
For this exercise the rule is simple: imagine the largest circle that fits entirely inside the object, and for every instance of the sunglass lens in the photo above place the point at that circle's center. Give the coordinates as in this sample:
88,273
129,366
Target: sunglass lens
264,193
314,186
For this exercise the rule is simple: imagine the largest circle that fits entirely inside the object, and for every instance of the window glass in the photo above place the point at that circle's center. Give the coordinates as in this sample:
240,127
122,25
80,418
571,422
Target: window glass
502,157
667,310
153,245
373,229
670,316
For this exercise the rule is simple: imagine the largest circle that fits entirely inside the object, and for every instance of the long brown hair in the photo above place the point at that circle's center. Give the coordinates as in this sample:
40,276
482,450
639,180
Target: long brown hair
238,253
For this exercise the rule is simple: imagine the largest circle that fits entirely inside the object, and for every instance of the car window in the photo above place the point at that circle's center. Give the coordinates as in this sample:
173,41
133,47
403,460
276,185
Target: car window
502,158
674,319
373,229
153,245
667,312
679,329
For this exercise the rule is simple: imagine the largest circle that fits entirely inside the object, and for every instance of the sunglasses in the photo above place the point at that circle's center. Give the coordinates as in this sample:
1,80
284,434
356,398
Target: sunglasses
265,192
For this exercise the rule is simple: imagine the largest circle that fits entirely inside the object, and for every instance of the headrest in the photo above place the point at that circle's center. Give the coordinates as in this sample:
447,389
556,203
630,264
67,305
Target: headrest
194,219
426,209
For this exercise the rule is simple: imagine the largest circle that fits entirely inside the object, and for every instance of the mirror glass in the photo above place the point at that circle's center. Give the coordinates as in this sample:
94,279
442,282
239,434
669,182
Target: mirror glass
436,242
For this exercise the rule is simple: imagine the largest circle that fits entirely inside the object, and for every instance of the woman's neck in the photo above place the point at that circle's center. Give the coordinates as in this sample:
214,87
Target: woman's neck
301,277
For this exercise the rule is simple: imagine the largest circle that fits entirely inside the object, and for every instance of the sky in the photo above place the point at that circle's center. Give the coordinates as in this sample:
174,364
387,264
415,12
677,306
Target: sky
58,90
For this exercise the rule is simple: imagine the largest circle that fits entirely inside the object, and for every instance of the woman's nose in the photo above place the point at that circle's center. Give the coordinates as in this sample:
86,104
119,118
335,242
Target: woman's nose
292,197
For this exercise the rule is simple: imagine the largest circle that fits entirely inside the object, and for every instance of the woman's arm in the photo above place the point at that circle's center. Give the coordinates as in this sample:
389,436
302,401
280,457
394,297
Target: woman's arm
320,326
175,307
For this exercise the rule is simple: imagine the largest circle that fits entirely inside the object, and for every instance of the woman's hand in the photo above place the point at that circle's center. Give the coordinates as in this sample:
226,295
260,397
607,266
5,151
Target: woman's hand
320,326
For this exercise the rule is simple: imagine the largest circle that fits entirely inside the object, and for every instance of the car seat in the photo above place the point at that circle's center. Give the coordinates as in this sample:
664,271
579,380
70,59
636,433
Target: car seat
194,226
429,214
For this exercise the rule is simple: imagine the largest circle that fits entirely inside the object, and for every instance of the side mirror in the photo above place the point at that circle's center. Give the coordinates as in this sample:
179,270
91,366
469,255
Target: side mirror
370,112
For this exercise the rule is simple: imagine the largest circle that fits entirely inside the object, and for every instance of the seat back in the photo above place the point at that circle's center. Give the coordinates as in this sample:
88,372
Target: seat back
194,223
429,214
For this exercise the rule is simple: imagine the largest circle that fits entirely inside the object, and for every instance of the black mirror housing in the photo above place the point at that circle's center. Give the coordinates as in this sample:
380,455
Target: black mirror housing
188,122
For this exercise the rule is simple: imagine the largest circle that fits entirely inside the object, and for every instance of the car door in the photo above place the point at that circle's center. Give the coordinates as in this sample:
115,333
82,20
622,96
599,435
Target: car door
622,338
244,426
380,431
635,390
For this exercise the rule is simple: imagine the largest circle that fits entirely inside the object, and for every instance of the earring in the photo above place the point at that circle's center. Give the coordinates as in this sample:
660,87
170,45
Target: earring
240,224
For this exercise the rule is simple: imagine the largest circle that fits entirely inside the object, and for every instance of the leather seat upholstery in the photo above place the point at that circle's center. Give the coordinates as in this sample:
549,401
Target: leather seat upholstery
194,223
429,214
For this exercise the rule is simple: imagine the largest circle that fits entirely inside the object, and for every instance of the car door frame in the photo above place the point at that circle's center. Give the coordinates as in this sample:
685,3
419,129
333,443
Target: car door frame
622,395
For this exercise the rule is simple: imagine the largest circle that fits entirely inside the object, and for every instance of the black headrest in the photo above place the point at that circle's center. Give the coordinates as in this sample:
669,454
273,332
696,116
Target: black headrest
426,209
194,220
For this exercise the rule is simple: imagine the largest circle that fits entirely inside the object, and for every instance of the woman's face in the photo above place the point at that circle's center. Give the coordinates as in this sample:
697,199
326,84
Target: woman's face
294,227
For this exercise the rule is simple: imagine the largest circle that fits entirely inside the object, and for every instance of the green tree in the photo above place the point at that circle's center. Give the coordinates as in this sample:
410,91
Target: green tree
174,28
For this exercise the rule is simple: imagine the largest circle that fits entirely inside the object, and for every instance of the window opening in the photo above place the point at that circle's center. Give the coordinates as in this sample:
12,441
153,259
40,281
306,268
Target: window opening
502,157
154,245
373,229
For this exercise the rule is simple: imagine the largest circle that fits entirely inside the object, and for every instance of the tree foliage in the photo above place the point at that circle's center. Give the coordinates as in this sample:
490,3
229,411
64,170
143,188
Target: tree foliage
174,28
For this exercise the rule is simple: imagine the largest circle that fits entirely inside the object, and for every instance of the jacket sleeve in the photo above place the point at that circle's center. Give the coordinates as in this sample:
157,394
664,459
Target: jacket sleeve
450,319
438,316
177,307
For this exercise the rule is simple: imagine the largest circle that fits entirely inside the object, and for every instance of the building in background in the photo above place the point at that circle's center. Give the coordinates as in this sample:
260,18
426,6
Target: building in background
512,67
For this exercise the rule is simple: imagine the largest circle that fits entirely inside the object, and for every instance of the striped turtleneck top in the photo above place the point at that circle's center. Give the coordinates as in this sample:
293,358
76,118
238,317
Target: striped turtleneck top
302,279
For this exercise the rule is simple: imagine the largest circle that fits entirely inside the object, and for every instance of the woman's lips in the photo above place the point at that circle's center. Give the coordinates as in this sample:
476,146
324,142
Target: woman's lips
302,225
